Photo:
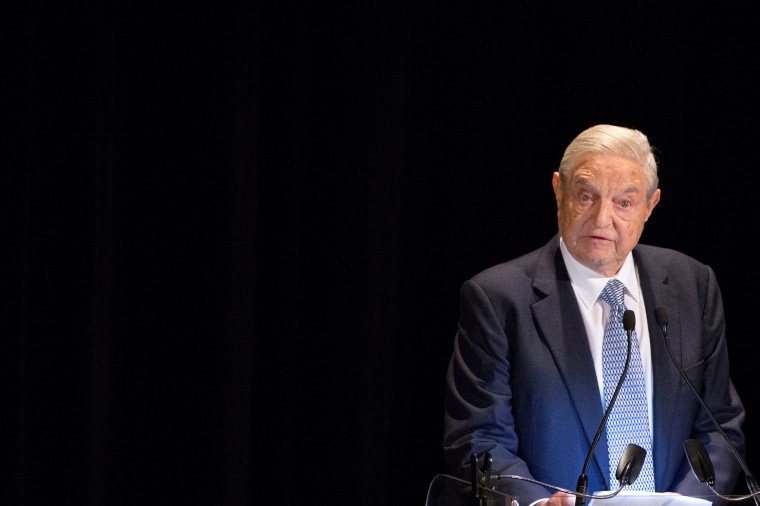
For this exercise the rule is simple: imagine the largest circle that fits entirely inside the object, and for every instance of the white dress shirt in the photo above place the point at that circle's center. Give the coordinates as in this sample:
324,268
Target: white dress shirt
587,285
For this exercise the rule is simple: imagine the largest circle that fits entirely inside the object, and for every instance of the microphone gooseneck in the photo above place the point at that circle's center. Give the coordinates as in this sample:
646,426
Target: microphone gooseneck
699,460
483,492
632,467
629,323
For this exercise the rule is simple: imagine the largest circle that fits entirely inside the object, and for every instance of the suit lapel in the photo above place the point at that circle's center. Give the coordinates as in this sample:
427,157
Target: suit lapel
561,326
665,376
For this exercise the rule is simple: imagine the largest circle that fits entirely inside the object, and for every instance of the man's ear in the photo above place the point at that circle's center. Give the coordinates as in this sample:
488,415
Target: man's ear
557,185
653,202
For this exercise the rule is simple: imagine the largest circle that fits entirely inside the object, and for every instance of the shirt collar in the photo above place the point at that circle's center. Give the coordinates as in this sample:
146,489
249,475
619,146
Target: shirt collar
589,284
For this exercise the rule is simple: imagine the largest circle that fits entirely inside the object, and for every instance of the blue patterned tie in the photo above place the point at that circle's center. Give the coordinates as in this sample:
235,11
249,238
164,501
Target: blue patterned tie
629,420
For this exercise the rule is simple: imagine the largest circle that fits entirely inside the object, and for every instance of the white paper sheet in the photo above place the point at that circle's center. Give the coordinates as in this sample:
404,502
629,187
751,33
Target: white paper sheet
635,498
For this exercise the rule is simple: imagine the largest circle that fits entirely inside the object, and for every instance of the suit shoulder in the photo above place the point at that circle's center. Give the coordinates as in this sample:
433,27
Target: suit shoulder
673,264
667,255
522,267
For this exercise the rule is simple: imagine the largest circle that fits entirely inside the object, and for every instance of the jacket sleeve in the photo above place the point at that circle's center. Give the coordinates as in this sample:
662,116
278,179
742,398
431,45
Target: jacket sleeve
478,415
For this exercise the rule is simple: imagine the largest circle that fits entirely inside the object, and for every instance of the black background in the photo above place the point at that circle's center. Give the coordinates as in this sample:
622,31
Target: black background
237,230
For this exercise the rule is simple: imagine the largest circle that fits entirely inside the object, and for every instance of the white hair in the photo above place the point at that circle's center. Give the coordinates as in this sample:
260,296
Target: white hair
612,140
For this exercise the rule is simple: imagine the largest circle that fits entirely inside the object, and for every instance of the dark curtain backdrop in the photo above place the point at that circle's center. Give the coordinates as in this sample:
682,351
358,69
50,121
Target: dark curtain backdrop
236,231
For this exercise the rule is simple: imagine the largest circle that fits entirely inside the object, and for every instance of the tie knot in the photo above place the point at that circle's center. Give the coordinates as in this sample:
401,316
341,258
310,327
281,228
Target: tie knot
613,293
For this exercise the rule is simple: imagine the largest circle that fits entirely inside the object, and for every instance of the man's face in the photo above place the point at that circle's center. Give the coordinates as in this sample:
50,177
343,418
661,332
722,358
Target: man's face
602,211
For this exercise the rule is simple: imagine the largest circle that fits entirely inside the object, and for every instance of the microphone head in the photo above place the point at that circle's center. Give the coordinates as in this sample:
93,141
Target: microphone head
661,316
699,460
629,320
630,464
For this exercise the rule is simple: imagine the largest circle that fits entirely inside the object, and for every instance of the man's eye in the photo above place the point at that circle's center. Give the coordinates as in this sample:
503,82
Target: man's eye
625,203
585,198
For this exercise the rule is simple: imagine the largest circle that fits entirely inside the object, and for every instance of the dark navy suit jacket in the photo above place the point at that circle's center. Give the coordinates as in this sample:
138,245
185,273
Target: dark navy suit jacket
521,383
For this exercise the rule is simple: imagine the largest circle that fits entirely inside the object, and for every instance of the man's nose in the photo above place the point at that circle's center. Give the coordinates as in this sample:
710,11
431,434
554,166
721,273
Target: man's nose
603,212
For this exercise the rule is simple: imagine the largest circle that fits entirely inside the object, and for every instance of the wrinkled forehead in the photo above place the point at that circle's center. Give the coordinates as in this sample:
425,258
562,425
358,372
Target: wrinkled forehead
603,169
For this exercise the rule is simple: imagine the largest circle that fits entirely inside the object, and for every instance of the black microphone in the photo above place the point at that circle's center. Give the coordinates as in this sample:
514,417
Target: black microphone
699,460
634,466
